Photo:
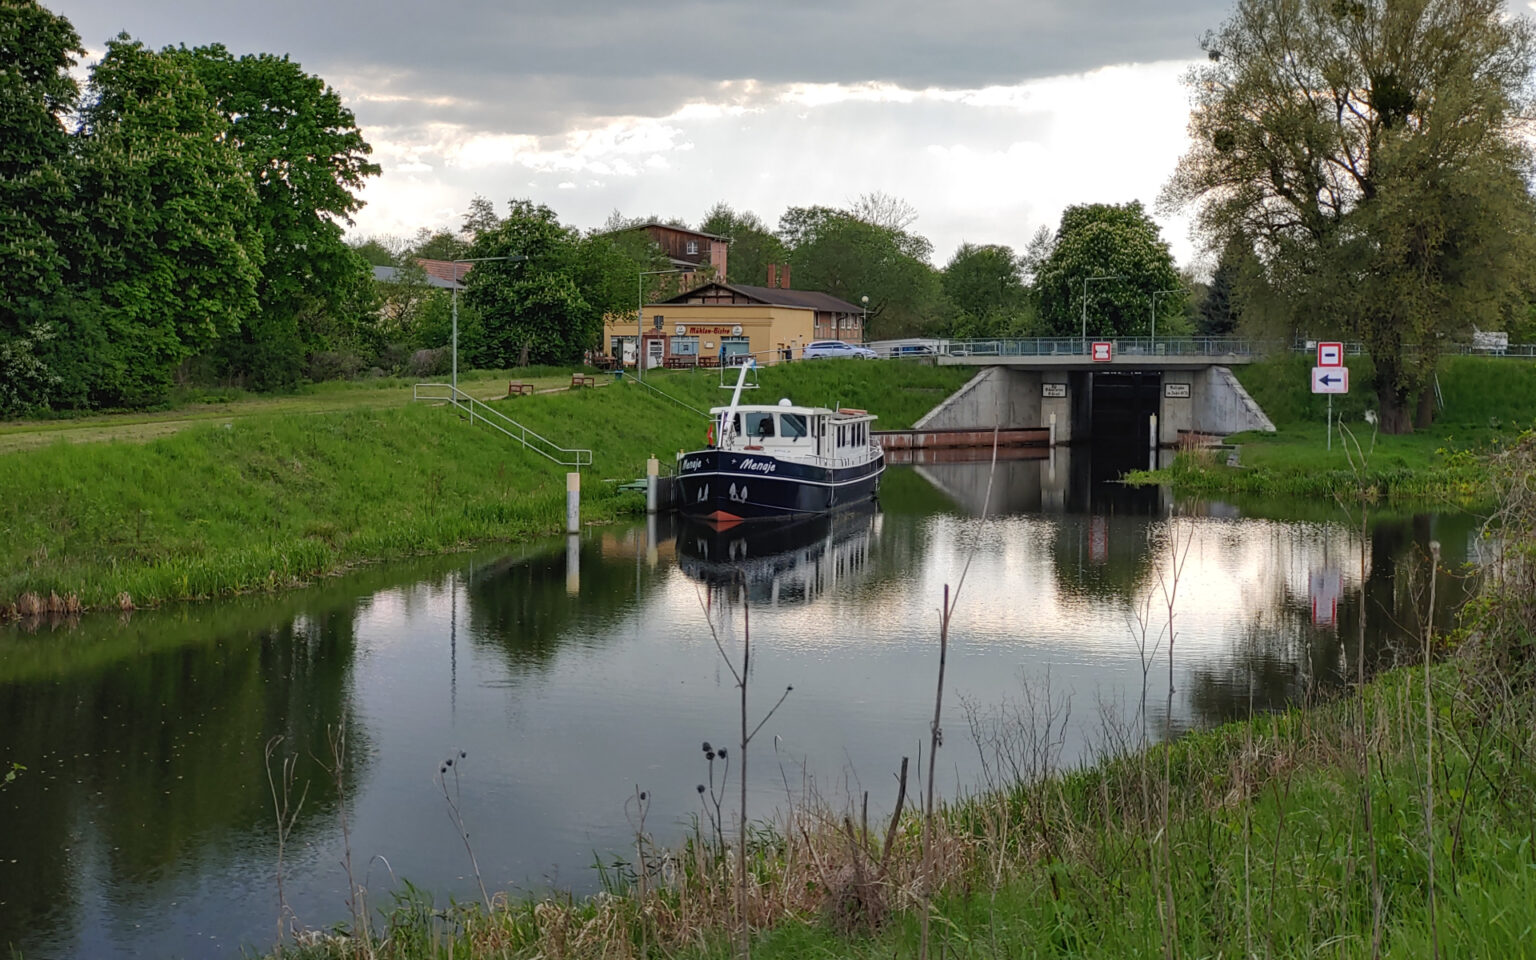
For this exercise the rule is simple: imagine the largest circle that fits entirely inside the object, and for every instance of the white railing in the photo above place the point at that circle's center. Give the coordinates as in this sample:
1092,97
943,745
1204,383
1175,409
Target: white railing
496,420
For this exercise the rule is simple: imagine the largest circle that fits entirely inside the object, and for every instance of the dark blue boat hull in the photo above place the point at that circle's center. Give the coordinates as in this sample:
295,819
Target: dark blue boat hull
723,485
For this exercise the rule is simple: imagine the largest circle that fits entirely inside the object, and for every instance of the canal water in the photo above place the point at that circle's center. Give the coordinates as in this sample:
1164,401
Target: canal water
562,677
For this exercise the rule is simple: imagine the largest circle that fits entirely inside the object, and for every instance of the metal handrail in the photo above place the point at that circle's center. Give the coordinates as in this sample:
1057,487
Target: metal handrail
1083,346
647,384
545,447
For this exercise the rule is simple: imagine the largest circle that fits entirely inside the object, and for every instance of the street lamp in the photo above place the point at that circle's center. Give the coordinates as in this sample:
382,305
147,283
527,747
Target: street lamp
456,283
864,320
640,319
1155,295
1111,276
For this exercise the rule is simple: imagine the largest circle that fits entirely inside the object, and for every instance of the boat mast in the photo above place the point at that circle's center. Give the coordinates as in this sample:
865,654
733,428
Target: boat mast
729,416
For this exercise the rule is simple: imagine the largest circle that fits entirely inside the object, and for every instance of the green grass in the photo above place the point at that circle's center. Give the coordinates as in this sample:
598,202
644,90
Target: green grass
1488,403
281,492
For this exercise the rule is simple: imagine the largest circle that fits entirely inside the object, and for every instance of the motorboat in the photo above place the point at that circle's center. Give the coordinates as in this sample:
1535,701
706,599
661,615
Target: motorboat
765,461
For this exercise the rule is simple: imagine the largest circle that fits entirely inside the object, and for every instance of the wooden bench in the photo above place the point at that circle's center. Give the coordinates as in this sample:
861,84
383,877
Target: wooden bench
518,388
582,380
680,363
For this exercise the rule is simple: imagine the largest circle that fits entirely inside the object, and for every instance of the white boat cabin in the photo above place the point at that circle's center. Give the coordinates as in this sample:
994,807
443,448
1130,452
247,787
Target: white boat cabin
795,432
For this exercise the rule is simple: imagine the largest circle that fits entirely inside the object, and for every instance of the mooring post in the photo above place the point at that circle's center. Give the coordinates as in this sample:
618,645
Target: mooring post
573,565
573,503
1152,431
652,484
1053,429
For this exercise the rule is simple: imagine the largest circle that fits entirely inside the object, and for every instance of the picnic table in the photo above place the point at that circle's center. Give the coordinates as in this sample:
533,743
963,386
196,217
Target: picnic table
582,380
517,388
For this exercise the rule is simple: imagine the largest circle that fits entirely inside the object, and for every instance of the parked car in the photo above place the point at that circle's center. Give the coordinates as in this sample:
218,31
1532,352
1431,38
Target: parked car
835,348
912,350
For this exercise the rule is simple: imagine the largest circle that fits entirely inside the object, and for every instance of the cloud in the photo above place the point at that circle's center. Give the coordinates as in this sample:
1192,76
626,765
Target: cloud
545,66
988,115
987,165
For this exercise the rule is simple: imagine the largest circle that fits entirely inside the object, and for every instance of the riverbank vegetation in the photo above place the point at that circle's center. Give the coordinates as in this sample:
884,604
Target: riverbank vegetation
268,500
1391,820
1487,402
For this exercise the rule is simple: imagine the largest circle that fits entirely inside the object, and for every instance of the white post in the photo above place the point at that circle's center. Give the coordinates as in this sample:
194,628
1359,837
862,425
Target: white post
1152,431
652,485
1053,431
1330,421
573,503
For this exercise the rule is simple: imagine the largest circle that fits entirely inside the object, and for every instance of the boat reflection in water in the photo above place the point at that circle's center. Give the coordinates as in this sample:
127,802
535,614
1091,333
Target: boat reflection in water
781,563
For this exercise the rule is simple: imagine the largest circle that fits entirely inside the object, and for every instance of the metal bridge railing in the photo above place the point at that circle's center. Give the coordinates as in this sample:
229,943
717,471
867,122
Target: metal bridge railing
1083,347
496,420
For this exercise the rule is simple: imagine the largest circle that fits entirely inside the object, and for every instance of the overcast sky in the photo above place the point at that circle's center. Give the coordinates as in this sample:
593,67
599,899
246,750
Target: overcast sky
988,116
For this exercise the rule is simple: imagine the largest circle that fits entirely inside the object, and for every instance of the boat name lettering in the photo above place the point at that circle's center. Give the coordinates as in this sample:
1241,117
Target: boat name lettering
692,464
760,466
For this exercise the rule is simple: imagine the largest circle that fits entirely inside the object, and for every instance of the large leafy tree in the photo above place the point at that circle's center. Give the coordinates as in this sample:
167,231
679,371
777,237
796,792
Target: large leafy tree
1372,153
37,49
307,160
985,285
836,252
531,307
1120,244
172,258
753,245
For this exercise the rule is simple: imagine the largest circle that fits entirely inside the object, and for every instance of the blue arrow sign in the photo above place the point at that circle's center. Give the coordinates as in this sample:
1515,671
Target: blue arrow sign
1330,379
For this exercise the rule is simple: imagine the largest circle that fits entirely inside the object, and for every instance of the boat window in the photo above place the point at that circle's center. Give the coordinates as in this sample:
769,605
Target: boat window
792,425
759,425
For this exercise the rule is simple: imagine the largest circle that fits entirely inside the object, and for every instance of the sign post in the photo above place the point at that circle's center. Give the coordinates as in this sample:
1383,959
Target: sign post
1330,380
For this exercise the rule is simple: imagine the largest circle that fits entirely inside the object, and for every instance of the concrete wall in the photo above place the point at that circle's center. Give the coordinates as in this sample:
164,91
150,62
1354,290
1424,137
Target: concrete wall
997,396
1010,397
1217,404
1225,407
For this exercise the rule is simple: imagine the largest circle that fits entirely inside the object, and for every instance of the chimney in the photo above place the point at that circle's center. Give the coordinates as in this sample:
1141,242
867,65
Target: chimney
773,274
784,277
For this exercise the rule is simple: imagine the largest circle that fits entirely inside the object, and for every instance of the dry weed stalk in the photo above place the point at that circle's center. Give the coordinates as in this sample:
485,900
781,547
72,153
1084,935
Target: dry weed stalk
286,812
742,677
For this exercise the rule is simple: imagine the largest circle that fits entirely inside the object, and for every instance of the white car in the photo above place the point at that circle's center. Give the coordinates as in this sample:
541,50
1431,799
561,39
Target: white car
835,348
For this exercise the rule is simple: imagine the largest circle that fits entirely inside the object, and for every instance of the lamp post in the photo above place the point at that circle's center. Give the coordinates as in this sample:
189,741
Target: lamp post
640,319
864,321
456,284
1110,276
1155,295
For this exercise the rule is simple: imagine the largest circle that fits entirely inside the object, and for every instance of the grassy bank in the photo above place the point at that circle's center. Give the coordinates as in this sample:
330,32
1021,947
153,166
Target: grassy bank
263,500
1488,402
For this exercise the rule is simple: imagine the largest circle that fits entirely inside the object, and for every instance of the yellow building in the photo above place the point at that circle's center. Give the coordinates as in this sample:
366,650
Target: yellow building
719,321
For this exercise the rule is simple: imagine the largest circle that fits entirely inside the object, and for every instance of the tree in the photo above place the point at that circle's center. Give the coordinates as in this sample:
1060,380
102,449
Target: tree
172,259
753,245
880,209
1372,152
480,218
37,50
835,252
307,159
982,280
532,310
442,245
1217,315
1120,244
380,251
